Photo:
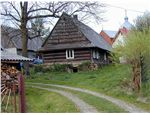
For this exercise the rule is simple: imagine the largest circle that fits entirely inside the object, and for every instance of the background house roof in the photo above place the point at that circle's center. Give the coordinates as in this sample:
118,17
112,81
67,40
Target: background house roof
11,37
110,33
7,56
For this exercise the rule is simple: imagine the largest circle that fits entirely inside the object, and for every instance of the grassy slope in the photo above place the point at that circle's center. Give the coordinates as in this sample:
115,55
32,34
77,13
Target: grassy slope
39,101
110,80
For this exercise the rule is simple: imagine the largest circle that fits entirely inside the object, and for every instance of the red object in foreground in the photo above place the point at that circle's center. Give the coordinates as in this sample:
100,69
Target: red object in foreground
22,105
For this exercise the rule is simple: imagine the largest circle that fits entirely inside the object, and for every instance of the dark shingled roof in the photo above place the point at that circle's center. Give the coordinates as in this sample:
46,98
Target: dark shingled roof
66,46
11,37
95,40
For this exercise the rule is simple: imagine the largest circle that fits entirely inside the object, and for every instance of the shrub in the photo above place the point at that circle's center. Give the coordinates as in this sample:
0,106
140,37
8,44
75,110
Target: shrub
59,67
41,68
38,68
84,66
52,68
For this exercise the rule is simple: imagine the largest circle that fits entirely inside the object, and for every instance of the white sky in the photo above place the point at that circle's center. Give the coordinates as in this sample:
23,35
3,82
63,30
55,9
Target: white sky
115,16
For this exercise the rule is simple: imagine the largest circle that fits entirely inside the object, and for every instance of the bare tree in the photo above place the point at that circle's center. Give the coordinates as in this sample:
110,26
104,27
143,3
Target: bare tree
21,14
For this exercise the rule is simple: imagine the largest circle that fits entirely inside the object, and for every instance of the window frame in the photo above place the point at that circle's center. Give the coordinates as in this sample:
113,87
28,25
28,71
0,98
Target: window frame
69,54
96,54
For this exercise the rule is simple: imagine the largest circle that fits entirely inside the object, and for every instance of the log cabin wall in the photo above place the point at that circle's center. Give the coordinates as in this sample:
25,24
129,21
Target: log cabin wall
103,57
82,54
54,56
59,56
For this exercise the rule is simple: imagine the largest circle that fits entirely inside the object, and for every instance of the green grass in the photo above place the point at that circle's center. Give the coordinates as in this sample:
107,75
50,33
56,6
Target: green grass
101,105
40,101
10,107
111,80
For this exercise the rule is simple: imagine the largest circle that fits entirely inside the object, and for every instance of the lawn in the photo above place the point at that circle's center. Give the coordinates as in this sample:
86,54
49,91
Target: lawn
111,80
40,101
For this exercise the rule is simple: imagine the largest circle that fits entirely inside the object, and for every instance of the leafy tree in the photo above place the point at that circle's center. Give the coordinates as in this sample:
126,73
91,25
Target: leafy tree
136,51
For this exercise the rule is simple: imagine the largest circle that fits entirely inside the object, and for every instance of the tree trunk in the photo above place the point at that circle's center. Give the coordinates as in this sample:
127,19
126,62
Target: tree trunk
136,69
144,69
24,33
24,39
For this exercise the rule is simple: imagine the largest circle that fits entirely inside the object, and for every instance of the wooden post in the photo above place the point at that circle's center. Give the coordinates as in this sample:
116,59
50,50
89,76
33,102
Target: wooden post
14,93
21,93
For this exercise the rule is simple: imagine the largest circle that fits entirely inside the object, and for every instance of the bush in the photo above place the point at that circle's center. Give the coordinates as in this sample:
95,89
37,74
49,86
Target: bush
52,68
59,67
38,68
84,66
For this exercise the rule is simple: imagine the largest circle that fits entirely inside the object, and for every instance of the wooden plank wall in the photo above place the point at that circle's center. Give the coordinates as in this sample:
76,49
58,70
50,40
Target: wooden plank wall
65,32
60,56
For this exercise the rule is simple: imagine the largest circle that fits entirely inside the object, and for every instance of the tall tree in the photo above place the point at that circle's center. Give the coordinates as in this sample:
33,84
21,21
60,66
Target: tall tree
21,14
136,51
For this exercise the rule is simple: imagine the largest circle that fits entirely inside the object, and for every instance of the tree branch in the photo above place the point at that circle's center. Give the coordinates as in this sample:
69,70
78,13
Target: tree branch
39,9
43,16
31,7
14,8
8,14
61,7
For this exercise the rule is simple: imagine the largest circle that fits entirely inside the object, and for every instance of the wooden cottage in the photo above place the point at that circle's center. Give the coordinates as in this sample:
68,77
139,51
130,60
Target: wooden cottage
73,42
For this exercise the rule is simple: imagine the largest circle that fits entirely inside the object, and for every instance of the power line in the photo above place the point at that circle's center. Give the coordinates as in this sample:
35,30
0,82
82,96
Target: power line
123,8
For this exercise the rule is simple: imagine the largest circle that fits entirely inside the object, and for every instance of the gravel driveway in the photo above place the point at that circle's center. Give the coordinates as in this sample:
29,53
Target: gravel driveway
83,106
124,105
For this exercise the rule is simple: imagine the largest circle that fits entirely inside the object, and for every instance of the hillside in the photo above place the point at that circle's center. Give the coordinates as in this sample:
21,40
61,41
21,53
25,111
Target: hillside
111,80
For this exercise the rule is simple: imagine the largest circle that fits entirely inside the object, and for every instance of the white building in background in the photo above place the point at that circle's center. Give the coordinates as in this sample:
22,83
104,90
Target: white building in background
123,31
121,36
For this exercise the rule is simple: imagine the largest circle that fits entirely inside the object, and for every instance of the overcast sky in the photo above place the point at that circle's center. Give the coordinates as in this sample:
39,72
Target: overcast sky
115,16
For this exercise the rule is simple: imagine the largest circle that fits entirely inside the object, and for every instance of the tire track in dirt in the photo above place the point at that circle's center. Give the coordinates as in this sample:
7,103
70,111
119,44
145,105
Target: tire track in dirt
124,105
83,106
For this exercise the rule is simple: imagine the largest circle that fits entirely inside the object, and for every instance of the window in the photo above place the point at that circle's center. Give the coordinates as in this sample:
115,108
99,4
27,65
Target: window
95,54
69,54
